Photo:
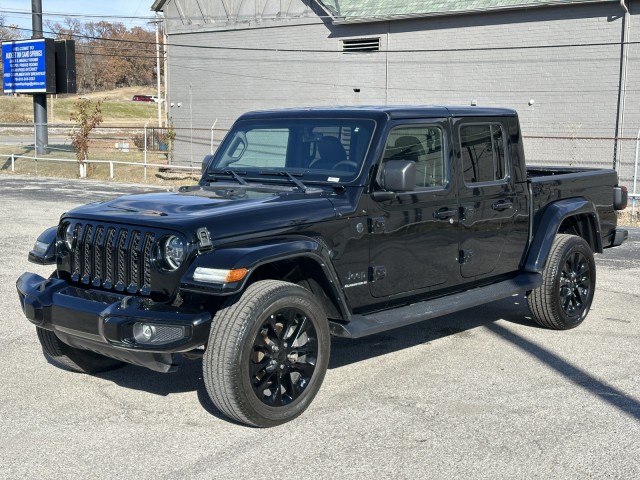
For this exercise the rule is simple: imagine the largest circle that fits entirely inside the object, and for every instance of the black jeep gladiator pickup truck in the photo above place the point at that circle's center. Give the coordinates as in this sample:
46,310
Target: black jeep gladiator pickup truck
309,223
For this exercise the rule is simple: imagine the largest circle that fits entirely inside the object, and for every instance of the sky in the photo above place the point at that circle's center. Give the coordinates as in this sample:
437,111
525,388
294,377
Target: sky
128,12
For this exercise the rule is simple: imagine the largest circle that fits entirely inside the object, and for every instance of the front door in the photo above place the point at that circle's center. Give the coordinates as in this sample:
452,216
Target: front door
414,236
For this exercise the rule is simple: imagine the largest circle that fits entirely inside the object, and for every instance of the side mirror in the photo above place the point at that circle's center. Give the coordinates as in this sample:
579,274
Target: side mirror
205,162
44,250
399,175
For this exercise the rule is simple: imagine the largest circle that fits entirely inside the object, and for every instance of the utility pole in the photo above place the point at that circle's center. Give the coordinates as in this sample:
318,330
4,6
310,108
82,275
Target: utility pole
165,70
39,99
158,71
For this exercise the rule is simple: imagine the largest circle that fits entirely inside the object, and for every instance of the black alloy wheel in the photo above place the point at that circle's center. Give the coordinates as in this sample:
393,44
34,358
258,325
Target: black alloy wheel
283,361
575,285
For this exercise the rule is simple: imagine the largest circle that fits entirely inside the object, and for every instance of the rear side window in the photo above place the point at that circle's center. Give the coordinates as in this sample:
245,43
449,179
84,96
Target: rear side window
483,153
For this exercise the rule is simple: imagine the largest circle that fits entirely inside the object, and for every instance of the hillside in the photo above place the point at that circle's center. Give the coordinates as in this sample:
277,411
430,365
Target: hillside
117,107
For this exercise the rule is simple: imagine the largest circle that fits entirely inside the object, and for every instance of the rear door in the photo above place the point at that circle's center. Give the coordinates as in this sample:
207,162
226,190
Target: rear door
492,207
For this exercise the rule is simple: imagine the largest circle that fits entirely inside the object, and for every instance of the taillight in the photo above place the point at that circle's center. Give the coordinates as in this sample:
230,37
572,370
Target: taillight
620,195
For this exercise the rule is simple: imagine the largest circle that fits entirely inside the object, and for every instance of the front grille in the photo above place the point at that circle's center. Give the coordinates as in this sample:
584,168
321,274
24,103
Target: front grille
112,257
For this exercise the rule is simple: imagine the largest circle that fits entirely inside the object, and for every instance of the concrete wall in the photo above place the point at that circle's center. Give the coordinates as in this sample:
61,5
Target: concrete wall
631,126
443,60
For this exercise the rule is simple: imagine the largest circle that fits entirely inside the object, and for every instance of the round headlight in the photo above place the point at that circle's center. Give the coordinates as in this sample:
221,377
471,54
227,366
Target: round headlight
174,252
69,236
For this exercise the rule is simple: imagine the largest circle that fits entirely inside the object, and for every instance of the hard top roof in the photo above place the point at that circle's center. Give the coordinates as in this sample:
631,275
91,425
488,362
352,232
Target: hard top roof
375,111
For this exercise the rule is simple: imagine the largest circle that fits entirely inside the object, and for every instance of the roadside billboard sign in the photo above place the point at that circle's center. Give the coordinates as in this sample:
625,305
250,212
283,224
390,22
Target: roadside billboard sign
29,66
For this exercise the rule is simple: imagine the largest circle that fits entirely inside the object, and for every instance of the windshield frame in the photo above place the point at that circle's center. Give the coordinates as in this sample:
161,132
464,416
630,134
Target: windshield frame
310,175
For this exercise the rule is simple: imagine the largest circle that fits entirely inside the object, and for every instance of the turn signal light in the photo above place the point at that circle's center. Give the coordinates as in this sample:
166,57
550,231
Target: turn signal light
218,275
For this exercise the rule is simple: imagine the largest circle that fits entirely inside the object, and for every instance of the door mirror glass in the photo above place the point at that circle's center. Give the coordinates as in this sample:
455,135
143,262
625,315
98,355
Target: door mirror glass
399,175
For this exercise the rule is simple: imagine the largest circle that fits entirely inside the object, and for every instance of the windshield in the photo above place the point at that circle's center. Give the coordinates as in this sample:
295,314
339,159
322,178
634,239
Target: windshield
331,150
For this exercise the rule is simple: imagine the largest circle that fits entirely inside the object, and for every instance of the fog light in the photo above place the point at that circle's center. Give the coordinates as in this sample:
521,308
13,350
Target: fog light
143,333
154,334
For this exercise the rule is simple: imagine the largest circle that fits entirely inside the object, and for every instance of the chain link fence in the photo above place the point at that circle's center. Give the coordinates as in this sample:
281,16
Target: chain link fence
592,152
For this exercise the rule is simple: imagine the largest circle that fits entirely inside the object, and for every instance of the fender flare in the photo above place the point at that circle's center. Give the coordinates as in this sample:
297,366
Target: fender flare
547,228
252,256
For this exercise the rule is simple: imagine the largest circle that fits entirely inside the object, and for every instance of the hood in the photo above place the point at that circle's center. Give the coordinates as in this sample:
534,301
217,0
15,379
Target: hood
224,211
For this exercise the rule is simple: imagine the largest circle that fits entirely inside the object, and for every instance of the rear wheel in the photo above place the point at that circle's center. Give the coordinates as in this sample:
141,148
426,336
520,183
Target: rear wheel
74,359
569,279
267,354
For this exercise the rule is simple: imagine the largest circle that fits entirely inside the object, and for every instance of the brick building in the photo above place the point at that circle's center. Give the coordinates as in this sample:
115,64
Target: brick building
570,68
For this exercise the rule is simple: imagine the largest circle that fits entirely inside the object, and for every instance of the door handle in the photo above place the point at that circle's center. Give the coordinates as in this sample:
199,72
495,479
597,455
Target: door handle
502,205
444,213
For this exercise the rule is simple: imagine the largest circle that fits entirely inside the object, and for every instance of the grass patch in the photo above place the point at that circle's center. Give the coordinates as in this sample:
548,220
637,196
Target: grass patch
117,108
67,167
625,219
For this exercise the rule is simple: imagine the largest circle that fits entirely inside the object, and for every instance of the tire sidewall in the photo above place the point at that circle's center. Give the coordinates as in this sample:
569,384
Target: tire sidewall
293,297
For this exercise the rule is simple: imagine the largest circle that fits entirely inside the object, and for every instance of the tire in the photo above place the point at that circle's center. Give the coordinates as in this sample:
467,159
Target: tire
563,300
267,354
74,359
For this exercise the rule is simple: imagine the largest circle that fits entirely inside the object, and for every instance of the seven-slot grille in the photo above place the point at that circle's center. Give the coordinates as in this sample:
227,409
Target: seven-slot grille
112,257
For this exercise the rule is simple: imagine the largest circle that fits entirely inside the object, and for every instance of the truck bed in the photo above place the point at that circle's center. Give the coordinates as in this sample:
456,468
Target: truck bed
536,171
550,184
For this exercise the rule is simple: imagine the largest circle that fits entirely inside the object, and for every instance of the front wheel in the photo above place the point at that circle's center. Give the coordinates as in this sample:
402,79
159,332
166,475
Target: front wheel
569,280
267,354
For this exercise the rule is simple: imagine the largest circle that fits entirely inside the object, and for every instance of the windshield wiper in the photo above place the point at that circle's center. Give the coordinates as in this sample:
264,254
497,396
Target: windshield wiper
235,175
301,186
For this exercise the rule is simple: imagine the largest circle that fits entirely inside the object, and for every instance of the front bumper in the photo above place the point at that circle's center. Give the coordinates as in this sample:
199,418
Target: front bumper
104,322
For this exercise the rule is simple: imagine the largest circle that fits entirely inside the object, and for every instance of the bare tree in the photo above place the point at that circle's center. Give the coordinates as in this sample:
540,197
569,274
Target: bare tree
9,32
87,115
109,55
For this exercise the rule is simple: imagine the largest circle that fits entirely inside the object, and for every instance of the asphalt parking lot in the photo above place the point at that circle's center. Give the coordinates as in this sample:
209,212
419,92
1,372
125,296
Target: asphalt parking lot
480,394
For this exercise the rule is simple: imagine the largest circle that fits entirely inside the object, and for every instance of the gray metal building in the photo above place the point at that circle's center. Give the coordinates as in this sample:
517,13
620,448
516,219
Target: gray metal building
570,68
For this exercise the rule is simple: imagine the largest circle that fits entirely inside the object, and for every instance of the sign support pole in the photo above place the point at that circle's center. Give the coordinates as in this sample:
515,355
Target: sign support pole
39,99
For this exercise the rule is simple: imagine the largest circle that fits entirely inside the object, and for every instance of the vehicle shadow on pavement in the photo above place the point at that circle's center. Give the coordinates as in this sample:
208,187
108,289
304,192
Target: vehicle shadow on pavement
139,378
513,310
346,351
580,378
343,351
188,379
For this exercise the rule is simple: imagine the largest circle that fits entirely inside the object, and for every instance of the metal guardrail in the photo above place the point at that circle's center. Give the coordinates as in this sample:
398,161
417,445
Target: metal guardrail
83,166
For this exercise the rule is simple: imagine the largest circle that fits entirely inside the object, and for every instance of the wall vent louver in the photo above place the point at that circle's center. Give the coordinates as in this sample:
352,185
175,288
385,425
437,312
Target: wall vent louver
361,45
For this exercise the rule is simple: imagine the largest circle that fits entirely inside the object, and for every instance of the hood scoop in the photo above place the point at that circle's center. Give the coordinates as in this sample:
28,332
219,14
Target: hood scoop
208,192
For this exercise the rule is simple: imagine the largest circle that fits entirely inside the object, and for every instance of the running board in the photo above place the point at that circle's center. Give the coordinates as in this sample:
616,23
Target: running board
369,324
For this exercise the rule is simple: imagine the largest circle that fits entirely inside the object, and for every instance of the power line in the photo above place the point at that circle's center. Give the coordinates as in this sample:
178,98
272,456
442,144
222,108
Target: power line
371,87
313,50
122,52
115,55
28,13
